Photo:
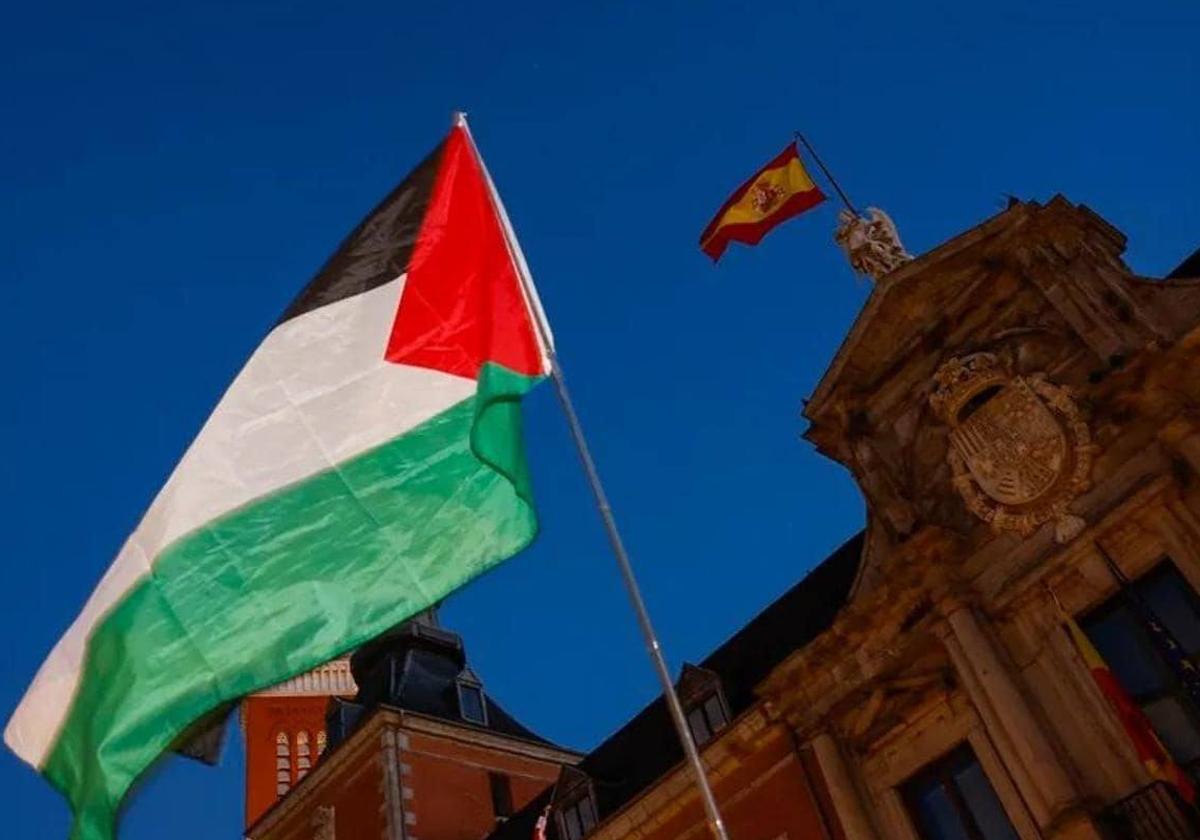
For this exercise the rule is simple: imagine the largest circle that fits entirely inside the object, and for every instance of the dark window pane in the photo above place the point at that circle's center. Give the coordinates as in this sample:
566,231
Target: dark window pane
502,805
1176,727
571,820
983,803
715,713
952,799
936,816
587,814
470,700
699,726
1125,647
1169,595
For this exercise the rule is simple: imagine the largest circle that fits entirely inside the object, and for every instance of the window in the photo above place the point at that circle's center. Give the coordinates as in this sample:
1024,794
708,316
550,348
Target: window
706,718
952,799
322,743
1117,632
576,819
703,702
303,756
471,703
283,764
502,802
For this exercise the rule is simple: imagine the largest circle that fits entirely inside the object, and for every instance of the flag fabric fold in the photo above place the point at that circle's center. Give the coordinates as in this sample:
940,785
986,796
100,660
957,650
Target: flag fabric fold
1150,750
772,195
366,462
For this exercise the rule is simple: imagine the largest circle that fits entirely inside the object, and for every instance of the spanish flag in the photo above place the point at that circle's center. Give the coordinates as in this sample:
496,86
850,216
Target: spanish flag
1150,750
773,194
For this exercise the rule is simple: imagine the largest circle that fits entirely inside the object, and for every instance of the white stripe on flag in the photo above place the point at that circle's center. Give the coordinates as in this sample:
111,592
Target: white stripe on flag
316,392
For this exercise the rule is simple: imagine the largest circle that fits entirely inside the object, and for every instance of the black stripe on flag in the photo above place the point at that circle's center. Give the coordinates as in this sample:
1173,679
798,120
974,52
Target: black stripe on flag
378,250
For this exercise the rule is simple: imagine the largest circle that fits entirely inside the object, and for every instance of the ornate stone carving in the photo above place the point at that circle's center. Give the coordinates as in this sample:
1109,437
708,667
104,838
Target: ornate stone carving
1020,450
871,242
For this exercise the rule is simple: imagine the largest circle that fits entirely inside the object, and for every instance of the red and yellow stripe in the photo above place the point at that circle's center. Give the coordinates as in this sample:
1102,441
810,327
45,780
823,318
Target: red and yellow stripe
1150,750
777,192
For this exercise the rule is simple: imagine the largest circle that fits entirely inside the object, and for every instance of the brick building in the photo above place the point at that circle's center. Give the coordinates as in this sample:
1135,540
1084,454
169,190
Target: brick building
1022,415
414,747
284,731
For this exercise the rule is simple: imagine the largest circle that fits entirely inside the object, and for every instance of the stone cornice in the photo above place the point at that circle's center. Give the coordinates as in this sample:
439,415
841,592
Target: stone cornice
333,679
426,724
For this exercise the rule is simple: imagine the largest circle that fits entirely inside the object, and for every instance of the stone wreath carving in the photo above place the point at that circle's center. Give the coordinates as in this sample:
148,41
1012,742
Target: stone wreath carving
1020,449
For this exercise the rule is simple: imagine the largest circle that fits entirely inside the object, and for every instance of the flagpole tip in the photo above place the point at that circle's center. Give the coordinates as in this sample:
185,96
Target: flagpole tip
459,119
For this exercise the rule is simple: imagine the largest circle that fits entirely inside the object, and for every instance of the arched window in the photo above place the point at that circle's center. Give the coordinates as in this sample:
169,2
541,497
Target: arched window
322,743
283,764
303,755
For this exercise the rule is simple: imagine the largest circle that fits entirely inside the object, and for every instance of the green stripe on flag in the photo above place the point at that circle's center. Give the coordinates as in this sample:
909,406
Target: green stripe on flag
291,580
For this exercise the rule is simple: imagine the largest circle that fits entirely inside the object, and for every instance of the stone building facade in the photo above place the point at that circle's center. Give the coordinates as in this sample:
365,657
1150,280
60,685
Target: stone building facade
1015,406
1022,415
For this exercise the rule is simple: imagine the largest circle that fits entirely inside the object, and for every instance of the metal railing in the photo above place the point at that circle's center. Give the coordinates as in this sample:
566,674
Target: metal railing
1155,812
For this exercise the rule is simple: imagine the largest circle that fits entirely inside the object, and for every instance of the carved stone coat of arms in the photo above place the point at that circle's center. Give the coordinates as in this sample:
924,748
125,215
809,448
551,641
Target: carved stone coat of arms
1020,451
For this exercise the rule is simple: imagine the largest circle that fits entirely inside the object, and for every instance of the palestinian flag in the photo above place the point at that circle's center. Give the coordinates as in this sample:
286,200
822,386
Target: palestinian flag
772,195
366,462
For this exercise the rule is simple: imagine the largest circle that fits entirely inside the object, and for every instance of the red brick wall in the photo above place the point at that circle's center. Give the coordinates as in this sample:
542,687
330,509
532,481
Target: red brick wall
451,795
768,795
444,787
354,791
298,719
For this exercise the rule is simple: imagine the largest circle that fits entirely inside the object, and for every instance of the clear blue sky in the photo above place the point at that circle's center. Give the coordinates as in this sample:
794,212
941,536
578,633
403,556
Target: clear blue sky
171,174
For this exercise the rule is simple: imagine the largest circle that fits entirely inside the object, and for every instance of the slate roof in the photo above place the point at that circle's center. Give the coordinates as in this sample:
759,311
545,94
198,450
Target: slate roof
416,667
1188,268
646,747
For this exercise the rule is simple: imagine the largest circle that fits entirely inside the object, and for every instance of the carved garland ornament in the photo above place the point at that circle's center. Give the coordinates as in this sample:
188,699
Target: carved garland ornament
1020,450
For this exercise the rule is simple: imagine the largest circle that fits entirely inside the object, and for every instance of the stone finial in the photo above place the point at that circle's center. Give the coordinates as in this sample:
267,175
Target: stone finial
871,243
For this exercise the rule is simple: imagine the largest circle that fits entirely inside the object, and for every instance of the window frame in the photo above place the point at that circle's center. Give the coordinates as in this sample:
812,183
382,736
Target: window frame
283,764
941,770
502,798
697,688
700,706
574,794
464,684
575,804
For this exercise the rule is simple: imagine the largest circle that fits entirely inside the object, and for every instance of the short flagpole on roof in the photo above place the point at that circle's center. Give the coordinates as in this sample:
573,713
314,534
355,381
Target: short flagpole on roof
653,647
829,175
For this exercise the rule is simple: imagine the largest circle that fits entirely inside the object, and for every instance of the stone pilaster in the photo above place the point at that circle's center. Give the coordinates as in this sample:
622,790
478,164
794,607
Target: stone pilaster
1022,742
851,811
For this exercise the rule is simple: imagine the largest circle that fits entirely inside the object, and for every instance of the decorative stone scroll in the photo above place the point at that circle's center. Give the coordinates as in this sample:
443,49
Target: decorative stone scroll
1020,450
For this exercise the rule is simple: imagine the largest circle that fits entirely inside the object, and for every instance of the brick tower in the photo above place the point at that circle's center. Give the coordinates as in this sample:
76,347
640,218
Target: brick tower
284,729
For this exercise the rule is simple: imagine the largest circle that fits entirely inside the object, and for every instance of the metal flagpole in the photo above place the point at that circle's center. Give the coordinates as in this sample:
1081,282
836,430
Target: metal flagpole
639,606
829,175
715,823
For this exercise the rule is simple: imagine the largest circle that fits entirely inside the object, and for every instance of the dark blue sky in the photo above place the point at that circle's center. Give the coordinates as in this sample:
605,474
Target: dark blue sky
171,174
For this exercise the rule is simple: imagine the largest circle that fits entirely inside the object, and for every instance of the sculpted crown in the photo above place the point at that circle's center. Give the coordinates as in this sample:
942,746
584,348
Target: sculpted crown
960,379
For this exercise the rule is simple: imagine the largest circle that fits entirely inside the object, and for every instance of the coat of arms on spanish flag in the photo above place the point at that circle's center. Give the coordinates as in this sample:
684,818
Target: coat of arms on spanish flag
773,194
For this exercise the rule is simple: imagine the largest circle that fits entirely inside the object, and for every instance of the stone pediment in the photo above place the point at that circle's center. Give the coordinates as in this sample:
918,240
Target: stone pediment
1039,303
